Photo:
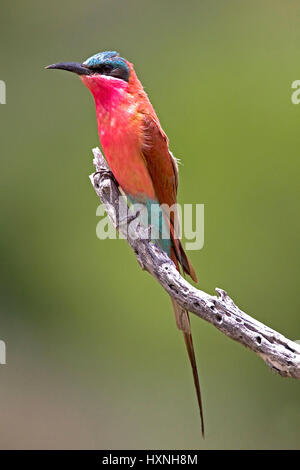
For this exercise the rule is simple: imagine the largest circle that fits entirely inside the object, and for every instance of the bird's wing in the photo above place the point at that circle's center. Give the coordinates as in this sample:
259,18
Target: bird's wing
161,164
163,169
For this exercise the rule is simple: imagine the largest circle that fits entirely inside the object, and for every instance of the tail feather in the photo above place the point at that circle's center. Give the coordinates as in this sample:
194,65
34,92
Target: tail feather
190,349
183,324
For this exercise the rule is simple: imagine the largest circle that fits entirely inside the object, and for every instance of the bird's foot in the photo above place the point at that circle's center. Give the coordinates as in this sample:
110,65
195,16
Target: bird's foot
105,173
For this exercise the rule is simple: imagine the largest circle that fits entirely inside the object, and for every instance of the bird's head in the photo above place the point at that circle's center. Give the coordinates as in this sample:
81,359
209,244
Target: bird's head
104,70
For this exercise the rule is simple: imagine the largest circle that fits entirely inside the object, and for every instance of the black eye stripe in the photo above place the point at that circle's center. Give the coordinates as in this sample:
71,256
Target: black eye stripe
103,68
112,70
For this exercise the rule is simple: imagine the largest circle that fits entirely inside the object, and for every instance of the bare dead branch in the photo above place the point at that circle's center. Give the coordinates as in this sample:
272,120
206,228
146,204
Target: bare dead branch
279,353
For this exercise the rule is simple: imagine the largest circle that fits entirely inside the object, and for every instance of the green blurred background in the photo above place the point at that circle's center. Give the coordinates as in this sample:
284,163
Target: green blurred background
94,359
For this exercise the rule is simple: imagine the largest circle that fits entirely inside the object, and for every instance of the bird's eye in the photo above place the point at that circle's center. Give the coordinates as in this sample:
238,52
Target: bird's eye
106,68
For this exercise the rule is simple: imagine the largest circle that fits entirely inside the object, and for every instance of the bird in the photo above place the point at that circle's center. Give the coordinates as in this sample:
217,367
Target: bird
138,154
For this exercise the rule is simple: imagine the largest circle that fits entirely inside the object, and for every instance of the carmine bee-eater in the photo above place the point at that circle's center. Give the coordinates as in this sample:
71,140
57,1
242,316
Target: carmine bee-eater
137,151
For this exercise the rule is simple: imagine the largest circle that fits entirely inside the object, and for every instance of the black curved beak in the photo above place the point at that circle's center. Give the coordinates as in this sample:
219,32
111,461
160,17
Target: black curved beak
74,67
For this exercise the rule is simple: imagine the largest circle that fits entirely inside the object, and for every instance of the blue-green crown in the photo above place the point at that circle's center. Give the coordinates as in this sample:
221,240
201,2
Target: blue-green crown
108,63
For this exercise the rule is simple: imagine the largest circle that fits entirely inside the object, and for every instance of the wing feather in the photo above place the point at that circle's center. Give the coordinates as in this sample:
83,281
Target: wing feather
163,169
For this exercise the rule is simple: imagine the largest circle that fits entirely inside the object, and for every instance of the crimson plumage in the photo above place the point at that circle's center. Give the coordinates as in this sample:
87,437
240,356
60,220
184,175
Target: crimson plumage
137,151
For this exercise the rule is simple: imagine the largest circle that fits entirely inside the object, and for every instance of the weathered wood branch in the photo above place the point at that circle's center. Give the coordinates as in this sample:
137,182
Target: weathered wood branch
279,353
